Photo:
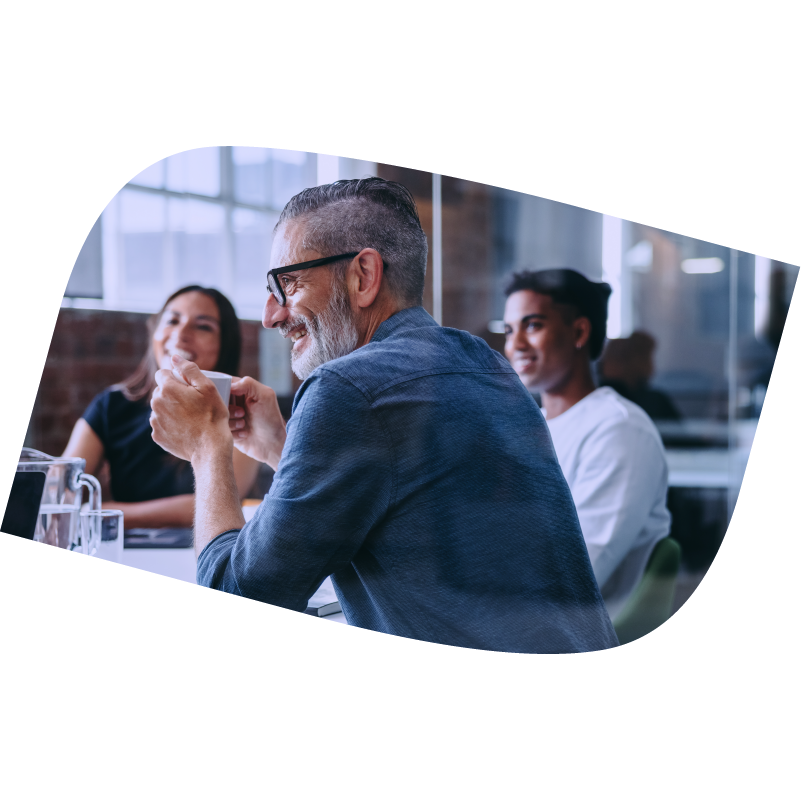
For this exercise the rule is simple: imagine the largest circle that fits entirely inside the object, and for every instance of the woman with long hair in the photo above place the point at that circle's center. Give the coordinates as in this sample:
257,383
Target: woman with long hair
153,488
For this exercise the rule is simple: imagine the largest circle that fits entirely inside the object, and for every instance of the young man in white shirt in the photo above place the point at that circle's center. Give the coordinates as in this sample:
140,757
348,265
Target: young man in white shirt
609,449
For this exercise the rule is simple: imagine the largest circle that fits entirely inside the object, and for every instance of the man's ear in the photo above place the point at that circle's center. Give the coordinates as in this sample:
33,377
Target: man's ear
582,328
365,276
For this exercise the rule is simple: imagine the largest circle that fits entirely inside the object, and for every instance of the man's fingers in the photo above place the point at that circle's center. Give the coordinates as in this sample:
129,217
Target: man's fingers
243,386
188,371
166,377
163,376
250,388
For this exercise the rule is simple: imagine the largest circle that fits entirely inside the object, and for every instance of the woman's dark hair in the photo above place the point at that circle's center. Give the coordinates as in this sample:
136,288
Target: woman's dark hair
142,381
570,288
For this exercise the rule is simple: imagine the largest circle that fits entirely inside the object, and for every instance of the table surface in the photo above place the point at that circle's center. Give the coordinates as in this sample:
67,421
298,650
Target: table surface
706,467
180,563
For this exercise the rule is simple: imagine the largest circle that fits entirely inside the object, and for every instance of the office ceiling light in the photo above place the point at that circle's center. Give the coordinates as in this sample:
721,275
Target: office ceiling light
495,326
697,266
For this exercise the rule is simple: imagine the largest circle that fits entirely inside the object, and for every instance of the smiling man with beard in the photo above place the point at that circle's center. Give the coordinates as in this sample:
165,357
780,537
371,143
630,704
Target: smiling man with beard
416,469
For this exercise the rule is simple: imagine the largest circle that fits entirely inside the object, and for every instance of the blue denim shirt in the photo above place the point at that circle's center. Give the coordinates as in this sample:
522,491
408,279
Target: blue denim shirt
419,474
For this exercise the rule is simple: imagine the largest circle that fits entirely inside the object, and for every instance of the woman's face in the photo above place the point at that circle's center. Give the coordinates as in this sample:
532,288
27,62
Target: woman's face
189,327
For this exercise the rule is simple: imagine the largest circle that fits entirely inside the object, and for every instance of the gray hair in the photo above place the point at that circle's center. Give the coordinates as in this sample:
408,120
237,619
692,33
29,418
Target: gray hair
347,216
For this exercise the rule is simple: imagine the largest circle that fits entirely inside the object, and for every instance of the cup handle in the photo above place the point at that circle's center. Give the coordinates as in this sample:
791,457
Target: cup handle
91,537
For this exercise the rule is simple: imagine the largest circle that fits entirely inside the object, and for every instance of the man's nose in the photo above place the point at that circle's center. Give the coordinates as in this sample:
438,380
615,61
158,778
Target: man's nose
519,339
274,313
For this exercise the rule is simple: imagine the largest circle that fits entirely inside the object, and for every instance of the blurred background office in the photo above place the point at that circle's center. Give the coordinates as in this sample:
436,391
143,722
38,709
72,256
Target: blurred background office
693,326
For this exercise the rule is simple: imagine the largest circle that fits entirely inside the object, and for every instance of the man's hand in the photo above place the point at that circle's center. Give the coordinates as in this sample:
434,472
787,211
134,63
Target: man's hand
258,428
189,417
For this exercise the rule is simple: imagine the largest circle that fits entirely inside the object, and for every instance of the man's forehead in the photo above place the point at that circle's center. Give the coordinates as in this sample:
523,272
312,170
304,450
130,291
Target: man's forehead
288,247
525,302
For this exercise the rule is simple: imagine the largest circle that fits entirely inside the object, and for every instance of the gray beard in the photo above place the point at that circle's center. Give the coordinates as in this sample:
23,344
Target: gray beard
333,334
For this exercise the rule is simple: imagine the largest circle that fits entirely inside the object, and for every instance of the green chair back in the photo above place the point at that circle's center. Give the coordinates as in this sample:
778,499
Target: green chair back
651,602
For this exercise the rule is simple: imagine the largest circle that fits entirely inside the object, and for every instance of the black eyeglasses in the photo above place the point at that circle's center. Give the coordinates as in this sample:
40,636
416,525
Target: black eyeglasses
275,286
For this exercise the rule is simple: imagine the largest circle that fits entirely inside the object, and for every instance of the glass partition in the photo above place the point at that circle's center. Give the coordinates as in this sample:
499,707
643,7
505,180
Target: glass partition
693,326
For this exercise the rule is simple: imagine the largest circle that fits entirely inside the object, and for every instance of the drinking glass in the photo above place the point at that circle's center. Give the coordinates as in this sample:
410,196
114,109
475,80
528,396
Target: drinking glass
103,533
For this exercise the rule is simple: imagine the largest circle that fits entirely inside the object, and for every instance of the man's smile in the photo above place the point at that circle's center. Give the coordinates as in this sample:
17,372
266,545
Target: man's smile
294,333
524,362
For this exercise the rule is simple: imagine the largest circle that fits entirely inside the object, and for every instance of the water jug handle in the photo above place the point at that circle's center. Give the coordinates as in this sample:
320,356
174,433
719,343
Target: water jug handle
95,502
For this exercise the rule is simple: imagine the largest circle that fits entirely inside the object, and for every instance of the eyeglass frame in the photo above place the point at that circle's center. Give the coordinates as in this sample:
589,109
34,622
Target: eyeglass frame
280,296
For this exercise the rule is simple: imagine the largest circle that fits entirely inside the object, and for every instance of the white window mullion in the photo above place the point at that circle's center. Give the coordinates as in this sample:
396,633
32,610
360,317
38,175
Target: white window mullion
226,195
111,239
168,283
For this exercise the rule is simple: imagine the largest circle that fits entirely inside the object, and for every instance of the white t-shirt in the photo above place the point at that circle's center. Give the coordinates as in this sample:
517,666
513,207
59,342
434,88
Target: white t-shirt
614,463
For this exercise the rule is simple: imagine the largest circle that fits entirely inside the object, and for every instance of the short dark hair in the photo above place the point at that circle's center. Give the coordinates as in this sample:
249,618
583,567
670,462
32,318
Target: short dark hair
570,288
142,381
346,216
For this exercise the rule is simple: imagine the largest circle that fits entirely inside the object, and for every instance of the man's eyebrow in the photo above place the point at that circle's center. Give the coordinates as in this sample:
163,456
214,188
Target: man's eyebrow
534,317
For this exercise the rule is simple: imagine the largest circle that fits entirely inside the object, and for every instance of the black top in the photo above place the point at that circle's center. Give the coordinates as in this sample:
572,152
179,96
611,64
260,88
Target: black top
140,469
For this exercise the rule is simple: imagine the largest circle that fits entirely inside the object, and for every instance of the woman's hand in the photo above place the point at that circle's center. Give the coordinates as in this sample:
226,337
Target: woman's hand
257,426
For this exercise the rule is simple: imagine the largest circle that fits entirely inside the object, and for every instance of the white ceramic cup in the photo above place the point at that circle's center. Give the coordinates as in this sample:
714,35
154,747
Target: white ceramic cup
223,383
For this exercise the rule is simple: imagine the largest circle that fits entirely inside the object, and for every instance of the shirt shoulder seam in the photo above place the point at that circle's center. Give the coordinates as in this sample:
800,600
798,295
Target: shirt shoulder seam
371,395
381,422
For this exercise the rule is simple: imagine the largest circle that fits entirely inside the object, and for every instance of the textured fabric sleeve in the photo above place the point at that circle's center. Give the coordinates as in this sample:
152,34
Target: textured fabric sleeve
96,415
334,482
621,474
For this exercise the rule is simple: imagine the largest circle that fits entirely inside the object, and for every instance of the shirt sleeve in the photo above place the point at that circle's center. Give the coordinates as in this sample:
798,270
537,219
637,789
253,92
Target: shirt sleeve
621,474
333,484
96,415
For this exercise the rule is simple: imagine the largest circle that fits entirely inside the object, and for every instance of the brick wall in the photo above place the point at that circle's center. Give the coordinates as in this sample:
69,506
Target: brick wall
91,350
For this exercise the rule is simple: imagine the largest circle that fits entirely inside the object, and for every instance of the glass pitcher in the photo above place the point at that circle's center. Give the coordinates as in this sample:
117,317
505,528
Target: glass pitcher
59,513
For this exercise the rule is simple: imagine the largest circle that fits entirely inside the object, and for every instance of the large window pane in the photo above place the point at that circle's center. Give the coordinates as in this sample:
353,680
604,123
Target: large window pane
251,169
289,175
195,171
252,232
142,219
197,232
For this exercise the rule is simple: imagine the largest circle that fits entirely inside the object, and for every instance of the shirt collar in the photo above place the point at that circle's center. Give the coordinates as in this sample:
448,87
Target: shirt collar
413,317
